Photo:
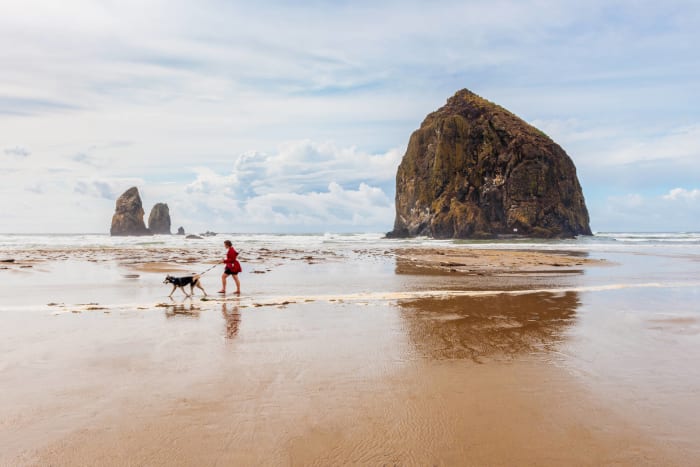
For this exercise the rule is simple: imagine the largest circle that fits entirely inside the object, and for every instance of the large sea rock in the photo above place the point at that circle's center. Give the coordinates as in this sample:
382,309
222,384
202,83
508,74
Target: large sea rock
159,219
475,170
128,215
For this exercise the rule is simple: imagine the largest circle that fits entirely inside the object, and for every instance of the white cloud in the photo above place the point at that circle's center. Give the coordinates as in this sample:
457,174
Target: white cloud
97,188
678,144
637,212
208,182
304,185
682,194
298,166
336,208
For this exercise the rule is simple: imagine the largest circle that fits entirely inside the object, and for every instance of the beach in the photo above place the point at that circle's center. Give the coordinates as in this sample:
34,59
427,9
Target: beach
350,350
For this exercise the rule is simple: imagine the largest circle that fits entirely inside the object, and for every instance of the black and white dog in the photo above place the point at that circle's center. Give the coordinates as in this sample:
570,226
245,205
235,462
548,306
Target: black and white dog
182,282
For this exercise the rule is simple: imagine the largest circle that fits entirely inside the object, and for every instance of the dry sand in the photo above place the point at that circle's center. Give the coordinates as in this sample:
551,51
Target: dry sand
402,368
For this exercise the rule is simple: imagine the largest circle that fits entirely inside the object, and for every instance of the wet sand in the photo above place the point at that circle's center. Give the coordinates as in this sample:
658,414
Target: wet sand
425,358
490,262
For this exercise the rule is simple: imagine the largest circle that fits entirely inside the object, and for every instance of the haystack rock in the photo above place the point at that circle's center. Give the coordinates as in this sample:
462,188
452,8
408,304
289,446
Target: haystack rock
159,219
475,170
128,216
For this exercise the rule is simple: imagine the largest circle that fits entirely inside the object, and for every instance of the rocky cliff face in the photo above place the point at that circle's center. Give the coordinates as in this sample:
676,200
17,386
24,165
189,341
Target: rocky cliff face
159,219
475,170
128,216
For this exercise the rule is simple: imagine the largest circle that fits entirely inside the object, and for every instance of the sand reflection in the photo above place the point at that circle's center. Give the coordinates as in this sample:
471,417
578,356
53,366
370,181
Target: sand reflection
481,328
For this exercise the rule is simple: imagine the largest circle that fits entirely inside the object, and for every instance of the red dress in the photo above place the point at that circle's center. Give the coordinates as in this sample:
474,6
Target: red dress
232,263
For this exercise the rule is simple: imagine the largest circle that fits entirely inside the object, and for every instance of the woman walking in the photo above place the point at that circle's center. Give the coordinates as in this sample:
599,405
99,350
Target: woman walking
233,267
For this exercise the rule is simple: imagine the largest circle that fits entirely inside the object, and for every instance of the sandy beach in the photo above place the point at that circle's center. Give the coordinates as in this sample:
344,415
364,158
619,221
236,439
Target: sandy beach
380,355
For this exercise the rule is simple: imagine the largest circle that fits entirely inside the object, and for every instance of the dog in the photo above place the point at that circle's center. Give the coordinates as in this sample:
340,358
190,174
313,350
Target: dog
181,282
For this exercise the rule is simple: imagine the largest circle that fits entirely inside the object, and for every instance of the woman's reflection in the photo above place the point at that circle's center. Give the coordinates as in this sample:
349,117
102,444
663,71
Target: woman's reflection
232,318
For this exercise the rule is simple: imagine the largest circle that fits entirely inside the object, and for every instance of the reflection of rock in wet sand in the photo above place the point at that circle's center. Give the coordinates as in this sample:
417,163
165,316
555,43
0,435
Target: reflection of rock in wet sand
489,326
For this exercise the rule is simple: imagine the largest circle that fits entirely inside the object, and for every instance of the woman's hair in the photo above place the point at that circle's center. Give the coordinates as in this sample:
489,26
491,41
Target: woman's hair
227,243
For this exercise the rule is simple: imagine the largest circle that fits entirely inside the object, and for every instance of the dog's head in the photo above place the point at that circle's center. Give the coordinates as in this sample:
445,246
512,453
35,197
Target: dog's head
168,279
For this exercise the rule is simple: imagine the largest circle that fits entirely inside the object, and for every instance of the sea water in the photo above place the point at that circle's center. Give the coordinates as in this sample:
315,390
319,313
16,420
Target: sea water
600,241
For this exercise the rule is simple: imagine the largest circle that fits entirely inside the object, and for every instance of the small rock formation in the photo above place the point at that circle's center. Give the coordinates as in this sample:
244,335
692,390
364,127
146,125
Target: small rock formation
193,237
475,170
181,230
128,215
159,219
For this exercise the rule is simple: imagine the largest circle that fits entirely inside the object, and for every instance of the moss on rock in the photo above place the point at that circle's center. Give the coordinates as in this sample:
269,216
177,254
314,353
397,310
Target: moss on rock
474,170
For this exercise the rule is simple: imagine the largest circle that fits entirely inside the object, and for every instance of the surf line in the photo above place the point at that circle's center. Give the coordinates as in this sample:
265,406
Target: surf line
435,294
360,297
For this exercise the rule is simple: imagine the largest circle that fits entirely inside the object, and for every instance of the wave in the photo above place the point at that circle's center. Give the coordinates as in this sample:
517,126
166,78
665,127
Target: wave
601,241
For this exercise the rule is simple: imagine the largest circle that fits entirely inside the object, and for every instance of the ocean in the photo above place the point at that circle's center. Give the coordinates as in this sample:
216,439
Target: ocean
600,241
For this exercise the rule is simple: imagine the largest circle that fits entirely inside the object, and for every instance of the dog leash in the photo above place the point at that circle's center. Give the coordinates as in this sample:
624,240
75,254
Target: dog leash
202,273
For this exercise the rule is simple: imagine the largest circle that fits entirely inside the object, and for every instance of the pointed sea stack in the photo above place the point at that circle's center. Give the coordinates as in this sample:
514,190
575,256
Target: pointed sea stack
475,170
128,215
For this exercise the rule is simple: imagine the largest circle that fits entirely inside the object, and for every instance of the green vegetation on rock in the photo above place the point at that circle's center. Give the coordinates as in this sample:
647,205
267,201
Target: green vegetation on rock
475,170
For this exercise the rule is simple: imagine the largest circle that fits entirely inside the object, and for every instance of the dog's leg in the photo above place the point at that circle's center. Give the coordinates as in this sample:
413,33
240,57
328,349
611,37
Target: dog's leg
195,282
182,287
199,285
171,292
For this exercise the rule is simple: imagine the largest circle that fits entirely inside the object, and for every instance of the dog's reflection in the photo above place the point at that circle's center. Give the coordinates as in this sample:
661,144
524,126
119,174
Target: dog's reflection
232,319
185,308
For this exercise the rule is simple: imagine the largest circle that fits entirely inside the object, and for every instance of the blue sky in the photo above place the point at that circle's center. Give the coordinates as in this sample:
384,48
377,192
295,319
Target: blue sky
293,116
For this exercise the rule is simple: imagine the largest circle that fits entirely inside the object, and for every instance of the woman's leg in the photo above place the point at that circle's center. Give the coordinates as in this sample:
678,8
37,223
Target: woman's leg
238,283
223,283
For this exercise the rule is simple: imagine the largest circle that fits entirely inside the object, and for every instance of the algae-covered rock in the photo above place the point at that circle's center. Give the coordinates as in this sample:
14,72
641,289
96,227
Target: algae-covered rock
475,170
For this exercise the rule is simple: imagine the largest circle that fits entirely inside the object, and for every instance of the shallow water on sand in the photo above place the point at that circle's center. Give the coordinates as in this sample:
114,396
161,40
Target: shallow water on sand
335,356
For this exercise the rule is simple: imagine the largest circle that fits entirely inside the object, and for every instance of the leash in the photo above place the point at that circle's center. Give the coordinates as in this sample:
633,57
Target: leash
202,273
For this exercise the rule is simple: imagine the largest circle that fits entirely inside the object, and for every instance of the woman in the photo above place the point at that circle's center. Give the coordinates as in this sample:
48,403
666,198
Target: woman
233,267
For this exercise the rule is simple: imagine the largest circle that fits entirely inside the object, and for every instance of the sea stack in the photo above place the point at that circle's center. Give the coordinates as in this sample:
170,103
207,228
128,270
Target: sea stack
475,170
159,219
128,215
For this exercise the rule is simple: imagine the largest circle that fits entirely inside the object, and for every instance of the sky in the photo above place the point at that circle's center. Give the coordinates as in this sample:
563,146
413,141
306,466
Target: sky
293,116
